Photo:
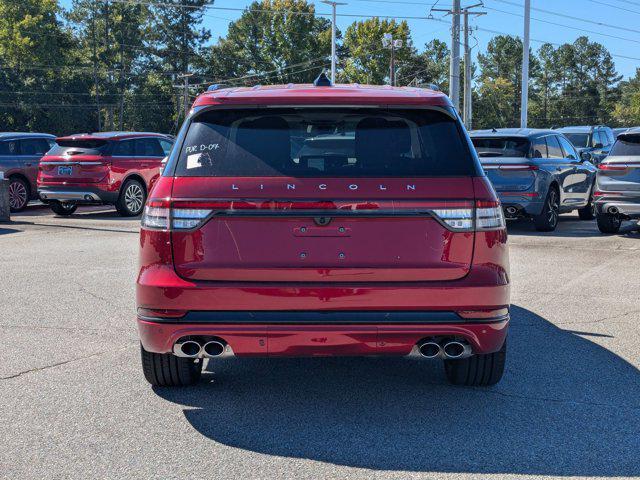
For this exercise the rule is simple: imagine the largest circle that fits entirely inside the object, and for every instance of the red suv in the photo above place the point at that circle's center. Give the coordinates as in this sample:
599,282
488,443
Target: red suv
115,168
306,220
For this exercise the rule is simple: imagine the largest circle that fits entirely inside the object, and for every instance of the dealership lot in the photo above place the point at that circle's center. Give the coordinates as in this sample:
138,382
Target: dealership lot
75,403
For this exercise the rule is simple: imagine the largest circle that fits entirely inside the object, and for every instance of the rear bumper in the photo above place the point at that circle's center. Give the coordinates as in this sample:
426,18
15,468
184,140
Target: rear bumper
87,193
310,338
626,205
523,205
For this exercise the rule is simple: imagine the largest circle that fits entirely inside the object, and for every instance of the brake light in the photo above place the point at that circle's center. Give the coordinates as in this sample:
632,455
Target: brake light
613,166
598,193
458,218
489,216
156,215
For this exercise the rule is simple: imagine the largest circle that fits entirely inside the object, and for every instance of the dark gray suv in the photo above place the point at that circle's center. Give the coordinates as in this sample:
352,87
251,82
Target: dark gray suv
592,142
20,154
618,183
537,174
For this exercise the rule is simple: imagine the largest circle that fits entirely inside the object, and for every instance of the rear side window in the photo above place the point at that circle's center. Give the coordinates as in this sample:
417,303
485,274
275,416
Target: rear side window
10,147
124,148
87,146
501,147
554,147
579,140
148,147
324,142
166,146
626,145
34,146
539,148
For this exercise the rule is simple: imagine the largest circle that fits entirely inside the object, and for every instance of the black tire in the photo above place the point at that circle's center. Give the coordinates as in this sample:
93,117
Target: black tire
167,370
477,370
588,212
547,221
608,223
19,194
63,209
132,198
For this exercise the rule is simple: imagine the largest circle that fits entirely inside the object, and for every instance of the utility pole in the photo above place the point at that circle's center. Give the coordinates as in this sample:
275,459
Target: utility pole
454,61
467,106
185,93
389,42
524,107
333,37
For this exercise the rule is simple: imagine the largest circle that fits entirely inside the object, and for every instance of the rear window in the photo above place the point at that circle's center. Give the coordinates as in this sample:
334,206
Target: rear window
626,145
579,140
324,142
80,146
501,147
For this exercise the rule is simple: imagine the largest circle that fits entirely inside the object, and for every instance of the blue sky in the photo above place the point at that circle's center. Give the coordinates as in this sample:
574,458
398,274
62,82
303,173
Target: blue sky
504,16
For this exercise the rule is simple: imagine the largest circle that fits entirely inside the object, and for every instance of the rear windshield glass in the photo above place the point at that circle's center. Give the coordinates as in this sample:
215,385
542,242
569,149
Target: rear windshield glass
319,142
76,147
626,145
579,140
501,147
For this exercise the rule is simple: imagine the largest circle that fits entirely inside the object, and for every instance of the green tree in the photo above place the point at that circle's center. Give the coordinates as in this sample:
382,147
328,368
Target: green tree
40,70
627,109
367,60
431,66
273,41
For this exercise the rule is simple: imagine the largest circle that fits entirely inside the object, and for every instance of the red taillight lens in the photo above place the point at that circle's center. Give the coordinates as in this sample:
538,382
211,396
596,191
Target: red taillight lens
613,166
598,193
489,216
161,313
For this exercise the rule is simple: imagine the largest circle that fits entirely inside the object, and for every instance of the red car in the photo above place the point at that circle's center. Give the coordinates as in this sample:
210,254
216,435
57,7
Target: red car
306,220
113,168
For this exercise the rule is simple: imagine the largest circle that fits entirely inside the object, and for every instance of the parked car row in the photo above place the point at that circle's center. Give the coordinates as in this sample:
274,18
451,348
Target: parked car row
109,168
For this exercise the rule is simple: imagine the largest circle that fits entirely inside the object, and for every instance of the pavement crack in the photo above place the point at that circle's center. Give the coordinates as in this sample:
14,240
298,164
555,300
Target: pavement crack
58,364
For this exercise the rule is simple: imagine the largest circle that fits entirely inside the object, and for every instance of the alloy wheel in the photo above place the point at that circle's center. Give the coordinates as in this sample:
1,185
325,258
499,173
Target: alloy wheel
134,198
553,207
17,195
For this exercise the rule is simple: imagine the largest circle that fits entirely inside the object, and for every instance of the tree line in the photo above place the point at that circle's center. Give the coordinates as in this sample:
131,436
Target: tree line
121,64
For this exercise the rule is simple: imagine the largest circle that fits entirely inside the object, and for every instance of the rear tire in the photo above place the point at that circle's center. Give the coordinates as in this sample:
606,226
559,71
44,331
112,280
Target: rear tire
132,198
167,370
547,221
478,370
63,209
608,223
18,194
588,212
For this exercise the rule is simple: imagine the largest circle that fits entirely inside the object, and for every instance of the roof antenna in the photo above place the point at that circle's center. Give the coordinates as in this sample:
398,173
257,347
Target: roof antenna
322,80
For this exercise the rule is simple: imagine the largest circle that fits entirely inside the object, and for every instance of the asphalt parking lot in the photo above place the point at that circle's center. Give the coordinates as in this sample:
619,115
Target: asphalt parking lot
75,404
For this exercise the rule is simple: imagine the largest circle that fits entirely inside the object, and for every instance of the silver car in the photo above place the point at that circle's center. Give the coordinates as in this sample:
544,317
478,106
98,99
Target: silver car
618,183
537,174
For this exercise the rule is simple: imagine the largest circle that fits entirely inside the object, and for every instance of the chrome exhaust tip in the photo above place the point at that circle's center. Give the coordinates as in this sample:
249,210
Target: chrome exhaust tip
429,349
453,350
213,349
511,212
613,210
187,349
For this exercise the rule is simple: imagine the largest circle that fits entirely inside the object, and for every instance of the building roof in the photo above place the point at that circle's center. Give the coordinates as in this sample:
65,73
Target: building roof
308,94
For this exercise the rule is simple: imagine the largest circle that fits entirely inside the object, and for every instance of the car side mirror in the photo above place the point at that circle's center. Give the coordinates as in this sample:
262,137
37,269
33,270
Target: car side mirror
585,157
598,145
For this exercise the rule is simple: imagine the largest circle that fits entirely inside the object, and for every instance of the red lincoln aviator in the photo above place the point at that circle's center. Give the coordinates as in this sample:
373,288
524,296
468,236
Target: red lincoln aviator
320,220
116,168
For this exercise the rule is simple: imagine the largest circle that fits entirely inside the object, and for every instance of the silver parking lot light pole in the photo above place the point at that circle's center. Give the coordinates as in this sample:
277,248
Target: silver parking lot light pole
333,37
525,66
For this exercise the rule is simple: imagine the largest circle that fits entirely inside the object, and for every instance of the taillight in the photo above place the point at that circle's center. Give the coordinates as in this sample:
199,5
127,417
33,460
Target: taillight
489,216
458,218
613,166
156,215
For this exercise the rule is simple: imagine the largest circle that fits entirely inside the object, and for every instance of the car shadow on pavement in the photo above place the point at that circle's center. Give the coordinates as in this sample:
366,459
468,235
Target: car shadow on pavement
570,227
566,407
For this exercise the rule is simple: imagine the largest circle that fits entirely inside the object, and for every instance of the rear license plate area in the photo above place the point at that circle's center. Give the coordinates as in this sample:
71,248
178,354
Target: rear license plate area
64,170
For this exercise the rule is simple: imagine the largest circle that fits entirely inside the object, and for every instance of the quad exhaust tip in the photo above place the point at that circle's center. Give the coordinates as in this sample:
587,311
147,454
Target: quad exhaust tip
613,210
213,348
187,349
454,349
430,350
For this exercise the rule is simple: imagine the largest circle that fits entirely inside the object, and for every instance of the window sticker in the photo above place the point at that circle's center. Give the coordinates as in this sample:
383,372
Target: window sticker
193,160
